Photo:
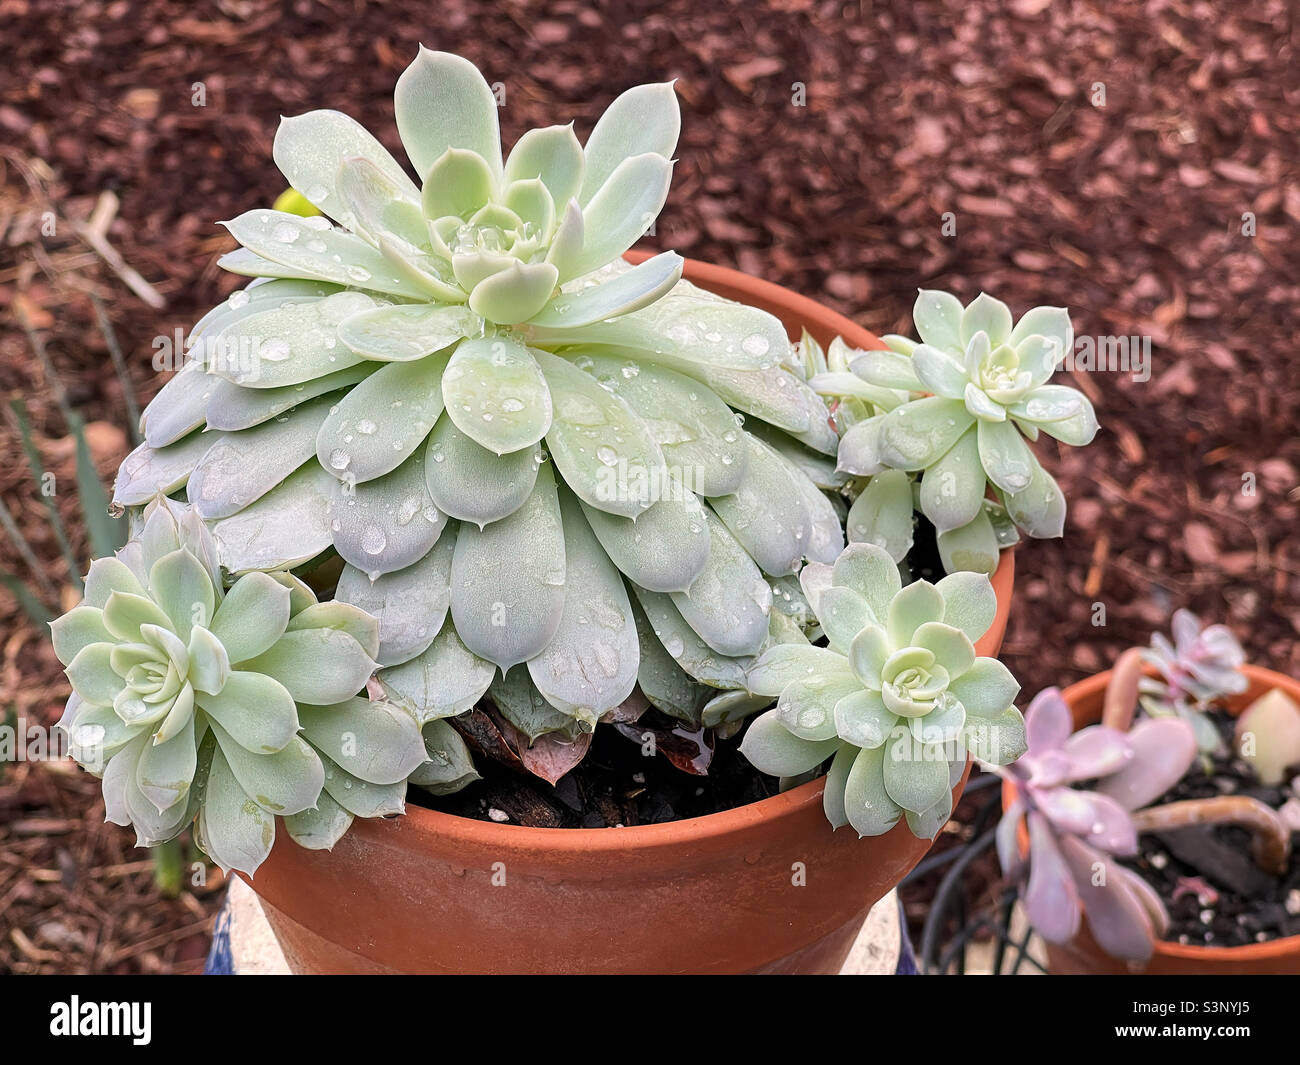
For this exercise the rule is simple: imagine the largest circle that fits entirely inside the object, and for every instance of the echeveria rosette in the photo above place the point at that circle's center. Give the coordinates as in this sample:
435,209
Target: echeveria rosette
1198,668
226,707
898,697
1075,835
978,388
431,379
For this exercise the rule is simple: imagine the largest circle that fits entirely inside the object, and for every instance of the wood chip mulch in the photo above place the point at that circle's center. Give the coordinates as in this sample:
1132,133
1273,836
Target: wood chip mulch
988,116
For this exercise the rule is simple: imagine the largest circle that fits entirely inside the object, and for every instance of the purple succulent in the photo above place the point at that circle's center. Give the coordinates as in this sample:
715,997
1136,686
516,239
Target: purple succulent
1075,835
1200,666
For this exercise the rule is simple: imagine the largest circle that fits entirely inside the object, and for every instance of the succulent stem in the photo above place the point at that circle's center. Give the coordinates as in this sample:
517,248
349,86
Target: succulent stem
1122,691
1270,836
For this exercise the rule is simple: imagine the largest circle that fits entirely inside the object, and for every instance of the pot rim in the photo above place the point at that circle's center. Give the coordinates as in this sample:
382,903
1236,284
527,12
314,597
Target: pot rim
790,804
1091,688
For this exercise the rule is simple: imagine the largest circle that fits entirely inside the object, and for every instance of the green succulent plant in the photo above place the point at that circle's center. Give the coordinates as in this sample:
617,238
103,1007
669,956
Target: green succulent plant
897,699
226,708
520,445
954,411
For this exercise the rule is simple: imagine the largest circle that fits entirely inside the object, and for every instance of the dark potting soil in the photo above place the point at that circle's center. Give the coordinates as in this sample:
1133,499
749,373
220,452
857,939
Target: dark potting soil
615,784
1215,894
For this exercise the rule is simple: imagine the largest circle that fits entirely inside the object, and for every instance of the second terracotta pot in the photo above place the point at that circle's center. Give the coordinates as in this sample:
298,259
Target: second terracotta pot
1082,955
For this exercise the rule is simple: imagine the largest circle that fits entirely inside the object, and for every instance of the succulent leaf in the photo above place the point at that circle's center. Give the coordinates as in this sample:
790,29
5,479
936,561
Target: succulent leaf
509,614
441,102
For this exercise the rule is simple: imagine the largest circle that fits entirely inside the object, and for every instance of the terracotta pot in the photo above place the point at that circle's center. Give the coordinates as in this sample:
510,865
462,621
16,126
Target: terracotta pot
429,892
1082,955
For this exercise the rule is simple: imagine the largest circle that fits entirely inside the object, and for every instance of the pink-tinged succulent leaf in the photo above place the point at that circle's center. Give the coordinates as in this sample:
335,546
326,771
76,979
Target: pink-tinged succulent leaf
690,750
1117,917
1146,895
1008,839
1186,627
1047,721
1163,750
1111,829
1096,751
1051,899
1066,809
553,755
1049,770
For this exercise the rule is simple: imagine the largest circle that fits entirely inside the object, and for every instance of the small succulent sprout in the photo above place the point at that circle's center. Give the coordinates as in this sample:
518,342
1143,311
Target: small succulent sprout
1268,736
222,707
432,377
1199,667
1075,835
898,698
975,388
852,400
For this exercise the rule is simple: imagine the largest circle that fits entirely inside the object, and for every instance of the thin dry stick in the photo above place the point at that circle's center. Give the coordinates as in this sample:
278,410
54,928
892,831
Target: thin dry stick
1270,836
118,265
119,364
25,550
52,378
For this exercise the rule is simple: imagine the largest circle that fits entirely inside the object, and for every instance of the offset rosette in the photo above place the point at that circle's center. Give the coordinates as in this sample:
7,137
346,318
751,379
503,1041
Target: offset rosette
1198,667
529,454
226,708
898,698
942,420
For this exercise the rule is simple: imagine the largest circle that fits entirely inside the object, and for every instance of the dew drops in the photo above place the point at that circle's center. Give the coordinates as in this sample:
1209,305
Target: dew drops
238,299
756,345
373,540
316,246
512,405
607,455
339,459
285,233
317,194
409,509
274,350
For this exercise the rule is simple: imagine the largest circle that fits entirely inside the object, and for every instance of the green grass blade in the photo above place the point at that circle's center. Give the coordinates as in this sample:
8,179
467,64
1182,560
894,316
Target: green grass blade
107,533
27,600
38,473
